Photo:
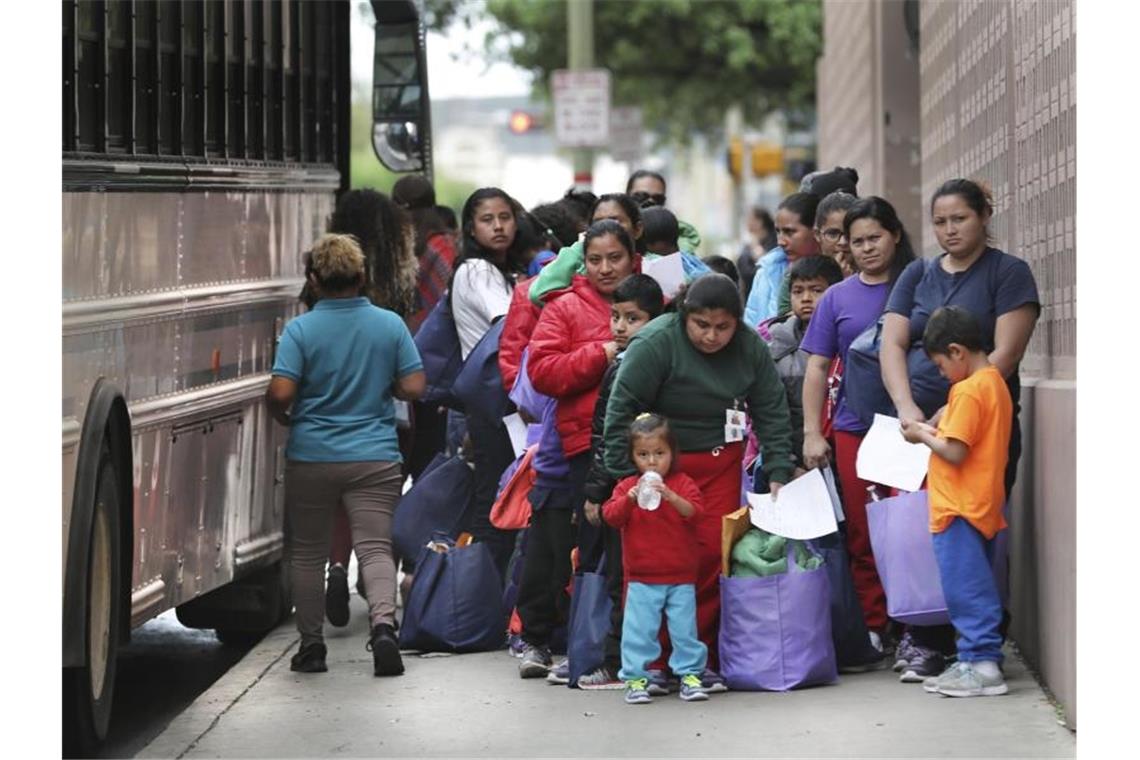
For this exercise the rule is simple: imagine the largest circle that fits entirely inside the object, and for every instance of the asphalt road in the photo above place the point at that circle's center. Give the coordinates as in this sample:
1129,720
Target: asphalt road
163,670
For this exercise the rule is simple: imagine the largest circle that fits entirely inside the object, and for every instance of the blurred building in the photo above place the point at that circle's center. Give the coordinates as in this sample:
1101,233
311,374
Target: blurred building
914,92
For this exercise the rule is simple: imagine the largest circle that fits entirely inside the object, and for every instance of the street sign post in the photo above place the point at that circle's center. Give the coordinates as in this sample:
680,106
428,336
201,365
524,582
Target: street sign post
581,107
625,134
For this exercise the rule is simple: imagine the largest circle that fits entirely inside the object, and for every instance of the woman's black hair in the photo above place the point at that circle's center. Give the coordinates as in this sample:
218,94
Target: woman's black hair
724,266
560,223
378,225
581,201
531,234
642,290
976,195
450,221
880,209
470,247
712,291
952,324
629,206
643,173
647,424
605,227
832,202
660,226
762,215
802,205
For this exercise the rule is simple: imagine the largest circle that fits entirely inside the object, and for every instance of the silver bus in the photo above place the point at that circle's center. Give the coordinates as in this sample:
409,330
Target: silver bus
204,146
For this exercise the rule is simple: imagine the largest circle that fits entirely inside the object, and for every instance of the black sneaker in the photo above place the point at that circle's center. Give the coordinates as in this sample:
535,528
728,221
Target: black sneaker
386,660
310,659
336,596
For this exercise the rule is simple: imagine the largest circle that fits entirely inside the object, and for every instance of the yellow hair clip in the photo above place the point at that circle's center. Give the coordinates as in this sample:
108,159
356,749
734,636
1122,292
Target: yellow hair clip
643,415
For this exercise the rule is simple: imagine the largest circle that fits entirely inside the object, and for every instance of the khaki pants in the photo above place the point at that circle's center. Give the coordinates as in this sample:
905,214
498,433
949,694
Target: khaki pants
369,491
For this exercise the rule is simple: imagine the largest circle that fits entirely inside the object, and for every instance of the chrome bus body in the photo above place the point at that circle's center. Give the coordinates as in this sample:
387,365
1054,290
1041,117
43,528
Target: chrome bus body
177,299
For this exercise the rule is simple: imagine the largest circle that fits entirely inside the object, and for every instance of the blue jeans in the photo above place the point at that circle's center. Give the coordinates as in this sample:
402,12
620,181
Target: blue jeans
644,605
964,562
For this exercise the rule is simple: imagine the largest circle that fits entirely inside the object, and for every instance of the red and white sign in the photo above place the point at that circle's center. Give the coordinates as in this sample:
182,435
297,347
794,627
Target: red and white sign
626,133
581,107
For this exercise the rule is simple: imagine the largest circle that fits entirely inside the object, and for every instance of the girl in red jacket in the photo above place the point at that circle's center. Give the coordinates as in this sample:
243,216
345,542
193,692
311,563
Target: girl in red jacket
658,548
568,354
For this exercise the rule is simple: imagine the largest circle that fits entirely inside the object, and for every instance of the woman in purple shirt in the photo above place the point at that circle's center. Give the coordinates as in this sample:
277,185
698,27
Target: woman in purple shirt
882,250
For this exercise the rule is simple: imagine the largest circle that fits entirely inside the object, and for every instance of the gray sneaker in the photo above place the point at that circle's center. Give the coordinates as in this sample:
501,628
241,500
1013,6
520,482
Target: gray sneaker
903,652
536,662
637,693
559,675
972,679
692,690
600,679
661,685
923,664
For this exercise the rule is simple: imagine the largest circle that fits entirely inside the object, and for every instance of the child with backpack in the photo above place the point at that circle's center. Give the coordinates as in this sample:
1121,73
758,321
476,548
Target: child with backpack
637,301
966,490
654,510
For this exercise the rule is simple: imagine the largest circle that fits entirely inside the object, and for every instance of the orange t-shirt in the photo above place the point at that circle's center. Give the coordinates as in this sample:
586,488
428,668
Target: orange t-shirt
980,415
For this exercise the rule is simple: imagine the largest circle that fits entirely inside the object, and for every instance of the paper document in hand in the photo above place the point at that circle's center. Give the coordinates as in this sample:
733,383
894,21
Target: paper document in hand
516,429
888,458
802,510
669,271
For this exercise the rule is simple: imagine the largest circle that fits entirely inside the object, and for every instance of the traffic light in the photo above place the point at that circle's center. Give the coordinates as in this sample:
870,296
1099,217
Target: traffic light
767,159
735,158
520,122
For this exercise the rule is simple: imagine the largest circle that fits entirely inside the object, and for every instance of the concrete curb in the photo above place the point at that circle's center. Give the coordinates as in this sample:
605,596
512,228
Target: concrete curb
203,714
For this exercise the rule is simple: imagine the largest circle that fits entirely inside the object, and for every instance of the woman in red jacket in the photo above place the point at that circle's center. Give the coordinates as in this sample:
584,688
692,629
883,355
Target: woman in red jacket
569,351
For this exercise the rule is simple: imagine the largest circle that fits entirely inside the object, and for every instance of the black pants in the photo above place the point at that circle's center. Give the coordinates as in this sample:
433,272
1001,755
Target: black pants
543,603
493,454
429,436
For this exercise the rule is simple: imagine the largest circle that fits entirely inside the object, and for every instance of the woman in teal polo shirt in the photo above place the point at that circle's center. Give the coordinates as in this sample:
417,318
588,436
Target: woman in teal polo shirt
334,376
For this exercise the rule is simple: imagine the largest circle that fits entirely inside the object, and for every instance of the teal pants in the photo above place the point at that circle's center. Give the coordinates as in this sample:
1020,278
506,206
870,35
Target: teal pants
644,605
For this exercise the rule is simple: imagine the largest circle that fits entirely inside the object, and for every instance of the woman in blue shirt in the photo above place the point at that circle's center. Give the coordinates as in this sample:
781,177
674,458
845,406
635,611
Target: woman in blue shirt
336,371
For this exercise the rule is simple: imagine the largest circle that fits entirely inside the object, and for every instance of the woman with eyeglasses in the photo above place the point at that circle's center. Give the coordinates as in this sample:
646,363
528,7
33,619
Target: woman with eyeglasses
795,233
882,250
829,230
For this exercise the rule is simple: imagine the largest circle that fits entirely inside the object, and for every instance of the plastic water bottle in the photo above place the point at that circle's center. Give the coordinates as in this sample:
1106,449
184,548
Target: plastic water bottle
648,498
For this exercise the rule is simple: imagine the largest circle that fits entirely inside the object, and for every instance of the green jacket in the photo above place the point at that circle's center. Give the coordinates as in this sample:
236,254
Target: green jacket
571,261
663,372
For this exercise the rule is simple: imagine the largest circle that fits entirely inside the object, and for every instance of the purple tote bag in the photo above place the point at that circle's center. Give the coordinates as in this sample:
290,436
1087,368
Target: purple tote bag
775,632
904,556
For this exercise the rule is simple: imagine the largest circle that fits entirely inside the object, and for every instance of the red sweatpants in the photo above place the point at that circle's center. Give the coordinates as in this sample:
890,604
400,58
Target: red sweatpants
863,571
717,475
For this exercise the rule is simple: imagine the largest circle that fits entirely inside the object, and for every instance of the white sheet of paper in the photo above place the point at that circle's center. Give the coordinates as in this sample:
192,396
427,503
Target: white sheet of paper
803,510
669,272
516,429
888,458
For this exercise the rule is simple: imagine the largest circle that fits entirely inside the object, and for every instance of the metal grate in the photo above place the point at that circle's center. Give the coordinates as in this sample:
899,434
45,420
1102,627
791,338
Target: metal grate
998,104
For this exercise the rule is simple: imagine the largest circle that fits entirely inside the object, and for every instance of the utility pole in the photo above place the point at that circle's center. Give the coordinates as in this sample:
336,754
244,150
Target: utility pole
580,44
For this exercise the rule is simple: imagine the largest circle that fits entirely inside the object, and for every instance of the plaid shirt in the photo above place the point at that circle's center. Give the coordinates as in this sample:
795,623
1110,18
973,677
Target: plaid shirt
434,274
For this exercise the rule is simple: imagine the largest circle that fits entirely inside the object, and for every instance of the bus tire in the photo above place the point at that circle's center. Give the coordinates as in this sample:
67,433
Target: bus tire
88,690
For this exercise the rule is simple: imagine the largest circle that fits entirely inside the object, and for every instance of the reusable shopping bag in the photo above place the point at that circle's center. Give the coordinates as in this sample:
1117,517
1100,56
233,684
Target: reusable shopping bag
436,503
438,344
478,386
454,604
775,631
512,508
590,608
848,630
904,556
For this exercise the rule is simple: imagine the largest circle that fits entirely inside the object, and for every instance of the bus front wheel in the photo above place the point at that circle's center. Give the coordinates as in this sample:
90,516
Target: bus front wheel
87,690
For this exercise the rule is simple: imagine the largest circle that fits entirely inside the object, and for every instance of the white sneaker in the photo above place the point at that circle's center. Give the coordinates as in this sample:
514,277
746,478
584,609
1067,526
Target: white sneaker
972,679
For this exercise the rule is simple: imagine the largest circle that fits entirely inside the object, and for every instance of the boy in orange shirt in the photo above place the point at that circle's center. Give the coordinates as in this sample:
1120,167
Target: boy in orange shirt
967,490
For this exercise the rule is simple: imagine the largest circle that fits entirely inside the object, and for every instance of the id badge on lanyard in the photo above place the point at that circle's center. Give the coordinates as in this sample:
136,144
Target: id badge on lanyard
734,423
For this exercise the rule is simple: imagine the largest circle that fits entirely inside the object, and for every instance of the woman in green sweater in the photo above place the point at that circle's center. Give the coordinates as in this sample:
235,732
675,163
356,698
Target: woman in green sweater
699,367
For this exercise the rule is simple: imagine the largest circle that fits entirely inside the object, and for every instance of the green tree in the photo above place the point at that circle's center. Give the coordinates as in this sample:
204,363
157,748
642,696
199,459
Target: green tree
685,62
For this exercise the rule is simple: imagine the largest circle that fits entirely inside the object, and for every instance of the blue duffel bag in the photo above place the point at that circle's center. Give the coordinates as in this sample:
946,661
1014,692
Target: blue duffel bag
590,611
479,385
438,344
437,502
455,603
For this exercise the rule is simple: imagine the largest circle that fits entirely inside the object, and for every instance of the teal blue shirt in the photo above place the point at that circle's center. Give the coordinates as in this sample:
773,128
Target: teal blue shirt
345,355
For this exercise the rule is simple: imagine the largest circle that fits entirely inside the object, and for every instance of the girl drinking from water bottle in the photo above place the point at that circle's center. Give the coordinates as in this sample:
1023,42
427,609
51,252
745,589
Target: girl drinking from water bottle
654,511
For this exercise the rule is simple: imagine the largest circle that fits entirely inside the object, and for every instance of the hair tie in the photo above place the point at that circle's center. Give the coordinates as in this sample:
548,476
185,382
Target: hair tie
643,416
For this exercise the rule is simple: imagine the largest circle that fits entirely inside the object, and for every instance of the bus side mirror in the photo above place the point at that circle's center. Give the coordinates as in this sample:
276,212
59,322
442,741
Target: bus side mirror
401,108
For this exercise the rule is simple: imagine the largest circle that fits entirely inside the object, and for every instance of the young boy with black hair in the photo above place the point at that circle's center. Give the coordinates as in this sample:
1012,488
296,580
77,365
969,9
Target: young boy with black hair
966,491
809,278
660,231
637,300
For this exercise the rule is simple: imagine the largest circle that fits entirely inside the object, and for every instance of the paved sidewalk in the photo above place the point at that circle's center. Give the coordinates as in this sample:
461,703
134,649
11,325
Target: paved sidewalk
476,705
